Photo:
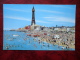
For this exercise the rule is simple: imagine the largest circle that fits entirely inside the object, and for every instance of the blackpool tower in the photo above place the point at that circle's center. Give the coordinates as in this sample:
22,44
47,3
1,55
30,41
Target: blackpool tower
33,16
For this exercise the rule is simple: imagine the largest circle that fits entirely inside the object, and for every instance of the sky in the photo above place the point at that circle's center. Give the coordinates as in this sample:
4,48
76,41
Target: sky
20,15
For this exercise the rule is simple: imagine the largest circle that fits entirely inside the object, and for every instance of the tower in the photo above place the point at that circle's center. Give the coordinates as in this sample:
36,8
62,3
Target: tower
33,16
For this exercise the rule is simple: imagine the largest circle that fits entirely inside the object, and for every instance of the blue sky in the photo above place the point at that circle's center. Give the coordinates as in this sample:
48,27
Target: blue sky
20,15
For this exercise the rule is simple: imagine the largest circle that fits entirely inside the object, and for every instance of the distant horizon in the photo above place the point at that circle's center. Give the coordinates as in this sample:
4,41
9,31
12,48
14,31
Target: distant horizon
20,15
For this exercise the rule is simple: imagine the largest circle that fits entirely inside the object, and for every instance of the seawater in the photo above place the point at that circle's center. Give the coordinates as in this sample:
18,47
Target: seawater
14,40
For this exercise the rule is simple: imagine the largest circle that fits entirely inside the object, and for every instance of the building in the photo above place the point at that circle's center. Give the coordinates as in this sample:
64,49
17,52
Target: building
60,29
70,29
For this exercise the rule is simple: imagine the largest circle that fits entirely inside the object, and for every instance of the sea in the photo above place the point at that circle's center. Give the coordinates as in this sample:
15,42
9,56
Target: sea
15,40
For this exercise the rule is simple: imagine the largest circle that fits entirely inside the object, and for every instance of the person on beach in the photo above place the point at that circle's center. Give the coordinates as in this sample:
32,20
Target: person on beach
63,47
29,41
35,45
39,42
53,45
7,47
58,46
67,47
41,47
48,45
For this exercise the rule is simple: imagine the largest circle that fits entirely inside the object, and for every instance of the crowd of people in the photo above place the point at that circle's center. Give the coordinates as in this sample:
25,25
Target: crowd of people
65,39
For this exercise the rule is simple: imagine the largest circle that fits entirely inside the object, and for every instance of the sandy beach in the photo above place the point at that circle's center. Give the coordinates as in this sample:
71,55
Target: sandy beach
65,39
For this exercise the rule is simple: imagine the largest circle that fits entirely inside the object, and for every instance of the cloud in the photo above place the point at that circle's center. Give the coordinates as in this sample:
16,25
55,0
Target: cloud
17,18
22,18
17,10
60,19
6,28
48,17
41,21
64,6
51,11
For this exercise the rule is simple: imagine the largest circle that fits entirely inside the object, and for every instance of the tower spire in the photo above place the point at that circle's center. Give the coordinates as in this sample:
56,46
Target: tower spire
33,7
33,16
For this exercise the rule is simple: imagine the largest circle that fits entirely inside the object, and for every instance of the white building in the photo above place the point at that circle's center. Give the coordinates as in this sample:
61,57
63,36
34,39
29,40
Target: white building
38,28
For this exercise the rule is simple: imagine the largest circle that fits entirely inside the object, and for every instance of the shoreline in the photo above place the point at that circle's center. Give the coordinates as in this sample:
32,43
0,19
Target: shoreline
46,38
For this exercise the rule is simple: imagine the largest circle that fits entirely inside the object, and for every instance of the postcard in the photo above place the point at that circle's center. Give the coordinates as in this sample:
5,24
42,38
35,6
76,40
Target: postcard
39,27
